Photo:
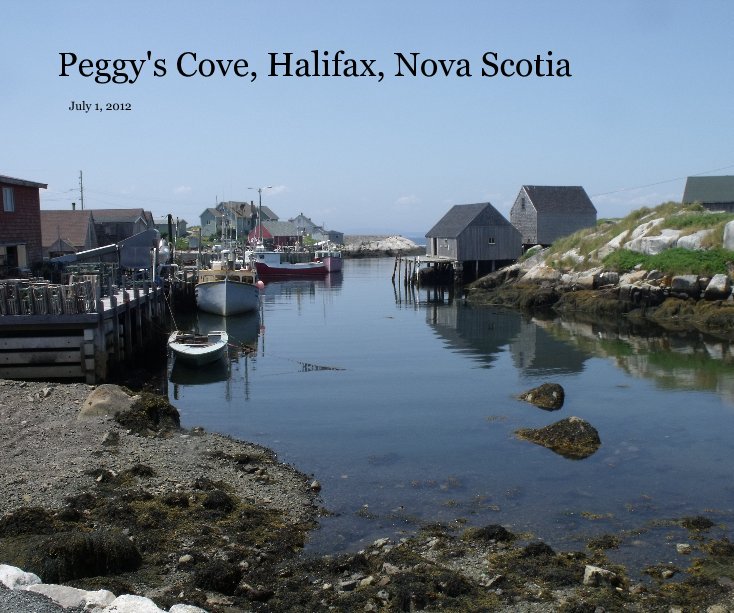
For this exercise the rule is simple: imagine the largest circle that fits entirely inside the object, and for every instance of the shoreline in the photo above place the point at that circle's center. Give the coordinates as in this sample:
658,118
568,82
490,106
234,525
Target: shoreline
219,524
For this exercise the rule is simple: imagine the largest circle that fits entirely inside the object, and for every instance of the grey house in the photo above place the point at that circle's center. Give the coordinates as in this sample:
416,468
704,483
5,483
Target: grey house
714,193
476,236
544,213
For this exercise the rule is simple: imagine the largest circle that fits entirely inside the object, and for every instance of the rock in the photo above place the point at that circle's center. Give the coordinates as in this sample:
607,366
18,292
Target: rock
69,597
65,556
315,486
595,576
729,236
693,241
686,284
132,604
14,578
542,273
573,437
106,400
683,548
652,245
719,288
636,276
149,413
549,396
186,608
606,278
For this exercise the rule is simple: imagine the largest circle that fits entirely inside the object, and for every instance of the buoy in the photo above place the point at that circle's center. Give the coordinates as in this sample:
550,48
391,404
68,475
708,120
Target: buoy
260,284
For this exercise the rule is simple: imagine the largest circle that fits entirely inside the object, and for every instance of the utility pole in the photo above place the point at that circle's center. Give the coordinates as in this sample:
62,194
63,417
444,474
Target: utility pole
81,189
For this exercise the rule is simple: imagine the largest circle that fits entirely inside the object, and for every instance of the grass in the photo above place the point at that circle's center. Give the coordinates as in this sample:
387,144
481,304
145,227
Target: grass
674,261
688,219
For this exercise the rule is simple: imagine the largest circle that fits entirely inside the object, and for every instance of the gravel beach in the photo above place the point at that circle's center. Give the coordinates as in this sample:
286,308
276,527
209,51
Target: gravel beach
189,518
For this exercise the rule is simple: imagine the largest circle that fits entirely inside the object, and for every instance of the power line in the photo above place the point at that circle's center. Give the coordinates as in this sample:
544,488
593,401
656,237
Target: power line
697,174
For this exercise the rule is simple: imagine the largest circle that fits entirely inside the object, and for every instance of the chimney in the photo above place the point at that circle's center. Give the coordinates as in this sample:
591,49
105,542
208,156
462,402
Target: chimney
73,206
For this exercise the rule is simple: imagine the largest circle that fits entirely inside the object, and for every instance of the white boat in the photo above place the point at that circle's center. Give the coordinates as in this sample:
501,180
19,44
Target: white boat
198,348
224,291
331,258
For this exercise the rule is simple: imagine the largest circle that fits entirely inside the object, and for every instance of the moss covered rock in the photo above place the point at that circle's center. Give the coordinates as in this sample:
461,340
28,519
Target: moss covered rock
572,437
549,396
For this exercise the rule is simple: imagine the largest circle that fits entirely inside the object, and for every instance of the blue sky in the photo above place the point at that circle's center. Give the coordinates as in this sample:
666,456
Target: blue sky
649,102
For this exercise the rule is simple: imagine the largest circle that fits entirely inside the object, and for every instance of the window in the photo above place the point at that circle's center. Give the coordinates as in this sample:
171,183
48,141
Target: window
522,203
491,240
8,200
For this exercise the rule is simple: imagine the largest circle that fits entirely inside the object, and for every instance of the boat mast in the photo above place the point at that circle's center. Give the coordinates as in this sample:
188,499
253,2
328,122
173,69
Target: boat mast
260,209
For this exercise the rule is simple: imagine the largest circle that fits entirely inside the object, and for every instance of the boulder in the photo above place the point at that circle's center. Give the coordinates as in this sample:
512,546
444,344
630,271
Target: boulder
573,437
693,241
542,272
106,400
14,578
686,284
69,597
729,236
595,576
652,245
549,396
607,277
719,288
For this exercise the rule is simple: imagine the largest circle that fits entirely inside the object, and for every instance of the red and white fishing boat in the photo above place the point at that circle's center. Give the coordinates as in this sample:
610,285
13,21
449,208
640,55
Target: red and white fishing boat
331,258
271,264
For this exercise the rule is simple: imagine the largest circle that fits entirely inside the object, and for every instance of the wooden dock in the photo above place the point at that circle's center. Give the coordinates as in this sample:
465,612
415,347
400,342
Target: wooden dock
84,341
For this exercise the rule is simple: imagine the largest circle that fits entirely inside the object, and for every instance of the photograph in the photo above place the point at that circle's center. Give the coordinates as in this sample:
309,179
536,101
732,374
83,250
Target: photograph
390,306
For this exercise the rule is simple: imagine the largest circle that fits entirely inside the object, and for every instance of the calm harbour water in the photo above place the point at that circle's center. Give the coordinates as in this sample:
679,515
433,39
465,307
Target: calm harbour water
403,405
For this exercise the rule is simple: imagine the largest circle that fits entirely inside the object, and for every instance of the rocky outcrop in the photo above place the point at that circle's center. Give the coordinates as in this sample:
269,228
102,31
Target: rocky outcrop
371,246
549,396
573,437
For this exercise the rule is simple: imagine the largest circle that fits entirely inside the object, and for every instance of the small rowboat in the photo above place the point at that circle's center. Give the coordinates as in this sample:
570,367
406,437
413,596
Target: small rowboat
198,348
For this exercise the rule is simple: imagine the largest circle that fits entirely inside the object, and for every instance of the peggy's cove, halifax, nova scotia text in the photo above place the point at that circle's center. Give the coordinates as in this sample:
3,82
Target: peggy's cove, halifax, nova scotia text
315,63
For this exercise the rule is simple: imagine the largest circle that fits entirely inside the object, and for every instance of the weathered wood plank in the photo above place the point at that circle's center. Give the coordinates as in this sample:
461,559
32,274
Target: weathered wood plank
45,342
40,357
70,371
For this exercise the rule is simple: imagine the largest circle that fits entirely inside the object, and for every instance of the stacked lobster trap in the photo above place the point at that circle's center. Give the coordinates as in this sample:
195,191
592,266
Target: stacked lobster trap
39,297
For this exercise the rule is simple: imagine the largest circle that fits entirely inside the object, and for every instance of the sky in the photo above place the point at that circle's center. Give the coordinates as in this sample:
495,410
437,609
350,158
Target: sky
649,102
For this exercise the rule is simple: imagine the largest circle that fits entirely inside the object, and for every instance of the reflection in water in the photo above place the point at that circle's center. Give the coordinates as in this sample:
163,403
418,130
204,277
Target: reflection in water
485,331
674,360
403,401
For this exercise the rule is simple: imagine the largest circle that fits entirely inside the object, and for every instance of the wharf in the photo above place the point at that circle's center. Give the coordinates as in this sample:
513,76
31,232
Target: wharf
82,341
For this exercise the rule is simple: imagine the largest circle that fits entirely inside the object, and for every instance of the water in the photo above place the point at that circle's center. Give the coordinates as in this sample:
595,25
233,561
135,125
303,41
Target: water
404,404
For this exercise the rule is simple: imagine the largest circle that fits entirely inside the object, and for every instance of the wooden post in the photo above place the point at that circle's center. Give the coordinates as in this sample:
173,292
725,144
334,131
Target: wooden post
100,346
115,329
394,268
127,331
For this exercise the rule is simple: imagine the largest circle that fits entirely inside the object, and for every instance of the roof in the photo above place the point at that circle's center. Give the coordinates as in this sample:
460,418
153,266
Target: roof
460,216
21,182
709,189
212,212
281,228
240,209
559,198
70,226
120,215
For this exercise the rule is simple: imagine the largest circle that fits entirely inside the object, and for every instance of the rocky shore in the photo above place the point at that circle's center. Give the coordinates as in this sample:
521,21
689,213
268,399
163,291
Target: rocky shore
675,302
112,507
359,246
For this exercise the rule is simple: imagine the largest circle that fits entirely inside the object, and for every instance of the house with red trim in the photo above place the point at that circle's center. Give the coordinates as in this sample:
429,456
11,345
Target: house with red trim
20,225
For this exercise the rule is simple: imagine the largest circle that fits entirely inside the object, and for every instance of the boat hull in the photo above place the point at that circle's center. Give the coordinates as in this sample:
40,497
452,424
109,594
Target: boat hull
196,352
300,270
333,264
227,297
